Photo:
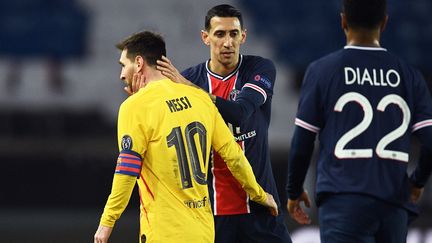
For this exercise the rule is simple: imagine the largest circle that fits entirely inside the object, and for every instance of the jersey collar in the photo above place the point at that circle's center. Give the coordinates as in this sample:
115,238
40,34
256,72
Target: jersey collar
229,75
365,48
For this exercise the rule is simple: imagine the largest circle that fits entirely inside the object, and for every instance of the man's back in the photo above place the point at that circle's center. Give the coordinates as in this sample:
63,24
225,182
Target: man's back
174,130
365,103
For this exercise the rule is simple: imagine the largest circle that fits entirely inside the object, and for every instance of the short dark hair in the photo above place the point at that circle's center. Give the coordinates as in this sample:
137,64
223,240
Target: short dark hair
149,45
223,10
366,14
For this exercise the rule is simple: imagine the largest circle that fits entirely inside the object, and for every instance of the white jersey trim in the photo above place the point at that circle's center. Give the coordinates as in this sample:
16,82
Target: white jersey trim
229,75
214,192
421,124
365,48
307,126
257,88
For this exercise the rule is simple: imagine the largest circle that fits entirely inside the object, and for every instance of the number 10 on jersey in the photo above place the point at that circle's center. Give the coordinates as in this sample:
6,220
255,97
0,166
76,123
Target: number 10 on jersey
175,138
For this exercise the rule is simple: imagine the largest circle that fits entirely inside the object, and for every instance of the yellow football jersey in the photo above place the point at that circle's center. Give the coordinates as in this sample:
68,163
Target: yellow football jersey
165,133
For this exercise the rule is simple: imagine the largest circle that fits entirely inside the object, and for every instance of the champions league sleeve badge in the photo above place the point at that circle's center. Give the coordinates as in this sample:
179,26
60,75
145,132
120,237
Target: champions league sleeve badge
265,81
126,142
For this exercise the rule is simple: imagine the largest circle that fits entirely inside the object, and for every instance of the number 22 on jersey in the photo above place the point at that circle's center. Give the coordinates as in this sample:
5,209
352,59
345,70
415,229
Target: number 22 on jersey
381,151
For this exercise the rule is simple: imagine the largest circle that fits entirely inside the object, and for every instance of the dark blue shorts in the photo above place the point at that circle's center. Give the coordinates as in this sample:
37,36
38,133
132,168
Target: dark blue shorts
254,227
361,219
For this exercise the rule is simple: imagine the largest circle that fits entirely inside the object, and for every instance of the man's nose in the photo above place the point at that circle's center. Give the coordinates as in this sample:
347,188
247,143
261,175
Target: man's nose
228,42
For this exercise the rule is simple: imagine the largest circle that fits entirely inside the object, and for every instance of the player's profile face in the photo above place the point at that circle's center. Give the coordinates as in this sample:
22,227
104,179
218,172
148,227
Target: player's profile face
224,38
127,68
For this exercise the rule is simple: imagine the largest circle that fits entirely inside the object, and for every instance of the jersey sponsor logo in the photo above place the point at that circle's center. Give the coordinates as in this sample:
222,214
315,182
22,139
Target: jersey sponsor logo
194,203
372,77
233,94
245,136
263,80
126,142
178,104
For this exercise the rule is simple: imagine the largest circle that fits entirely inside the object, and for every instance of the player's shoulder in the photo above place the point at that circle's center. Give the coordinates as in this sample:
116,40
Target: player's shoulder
402,63
330,59
194,71
257,61
144,96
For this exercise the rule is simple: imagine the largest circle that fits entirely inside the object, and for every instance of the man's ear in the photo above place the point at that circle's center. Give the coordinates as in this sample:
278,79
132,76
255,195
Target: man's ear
139,63
384,23
344,24
244,35
205,37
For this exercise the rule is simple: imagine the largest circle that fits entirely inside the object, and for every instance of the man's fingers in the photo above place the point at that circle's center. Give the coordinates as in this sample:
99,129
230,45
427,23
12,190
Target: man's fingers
165,64
142,82
166,59
307,202
274,211
163,69
127,90
162,63
135,82
296,212
301,217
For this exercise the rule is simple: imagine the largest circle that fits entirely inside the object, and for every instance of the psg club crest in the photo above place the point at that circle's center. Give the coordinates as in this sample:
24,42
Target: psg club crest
233,94
126,142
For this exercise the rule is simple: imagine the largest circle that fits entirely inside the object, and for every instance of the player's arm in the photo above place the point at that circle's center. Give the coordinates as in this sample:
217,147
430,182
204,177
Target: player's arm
121,191
422,128
128,168
253,94
302,145
421,174
224,144
423,170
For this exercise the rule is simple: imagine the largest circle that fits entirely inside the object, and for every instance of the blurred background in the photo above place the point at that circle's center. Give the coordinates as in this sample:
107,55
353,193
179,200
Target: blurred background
60,92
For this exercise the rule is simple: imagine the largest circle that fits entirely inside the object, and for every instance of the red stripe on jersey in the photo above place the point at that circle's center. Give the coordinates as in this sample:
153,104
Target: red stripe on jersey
145,210
147,187
229,196
130,161
222,88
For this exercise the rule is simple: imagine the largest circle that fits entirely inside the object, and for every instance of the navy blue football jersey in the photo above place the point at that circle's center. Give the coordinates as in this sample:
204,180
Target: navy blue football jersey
364,103
249,88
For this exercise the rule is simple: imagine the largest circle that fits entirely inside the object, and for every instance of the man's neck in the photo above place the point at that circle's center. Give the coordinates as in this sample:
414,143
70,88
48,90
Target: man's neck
153,75
367,38
221,69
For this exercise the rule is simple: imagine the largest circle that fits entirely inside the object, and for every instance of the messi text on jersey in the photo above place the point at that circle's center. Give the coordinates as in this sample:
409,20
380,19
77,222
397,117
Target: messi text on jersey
374,77
178,104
